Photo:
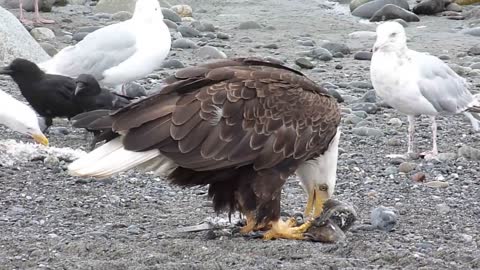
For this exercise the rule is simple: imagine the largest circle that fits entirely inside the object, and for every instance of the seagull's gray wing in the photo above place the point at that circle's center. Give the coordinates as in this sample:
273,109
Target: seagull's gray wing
98,51
440,85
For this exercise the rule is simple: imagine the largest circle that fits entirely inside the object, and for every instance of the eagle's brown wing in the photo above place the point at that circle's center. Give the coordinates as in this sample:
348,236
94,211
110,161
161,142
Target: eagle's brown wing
232,113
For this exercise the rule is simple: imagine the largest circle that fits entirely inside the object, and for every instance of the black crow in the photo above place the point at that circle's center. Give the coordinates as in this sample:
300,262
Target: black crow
49,95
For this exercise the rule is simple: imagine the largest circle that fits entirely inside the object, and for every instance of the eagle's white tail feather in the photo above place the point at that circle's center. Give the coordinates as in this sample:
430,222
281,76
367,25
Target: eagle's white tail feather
109,159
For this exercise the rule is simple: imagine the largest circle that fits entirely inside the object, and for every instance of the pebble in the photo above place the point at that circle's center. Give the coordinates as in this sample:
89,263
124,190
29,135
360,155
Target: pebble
173,63
318,53
338,55
363,55
475,31
122,16
444,57
246,40
419,177
437,184
209,52
390,170
352,119
475,66
368,35
133,89
188,31
271,46
475,50
42,33
170,24
383,218
469,152
333,47
308,43
78,36
406,167
360,114
366,131
184,43
394,142
446,156
369,108
304,63
454,7
171,15
395,122
389,12
182,10
443,208
49,48
51,161
249,25
203,27
133,229
369,97
336,95
223,36
338,66
361,85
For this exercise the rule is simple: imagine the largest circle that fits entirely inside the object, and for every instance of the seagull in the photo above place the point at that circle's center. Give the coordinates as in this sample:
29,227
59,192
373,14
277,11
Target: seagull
417,83
20,117
50,95
118,53
37,19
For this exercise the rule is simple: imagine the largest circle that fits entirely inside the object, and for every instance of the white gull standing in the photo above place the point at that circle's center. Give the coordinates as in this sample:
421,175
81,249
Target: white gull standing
416,83
118,53
20,117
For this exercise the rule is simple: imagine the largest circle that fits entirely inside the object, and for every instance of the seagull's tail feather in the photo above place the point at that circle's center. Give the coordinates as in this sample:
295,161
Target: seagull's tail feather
109,159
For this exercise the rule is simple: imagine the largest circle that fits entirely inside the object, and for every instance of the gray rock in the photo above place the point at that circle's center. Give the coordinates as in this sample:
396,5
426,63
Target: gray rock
366,131
390,12
249,25
133,89
430,7
49,48
318,53
383,218
446,156
223,36
203,27
171,15
360,114
407,167
363,55
475,31
475,50
188,31
361,85
182,10
336,95
271,46
333,47
469,152
114,6
42,33
367,10
369,108
304,63
78,36
354,4
394,142
133,229
88,29
352,119
170,24
184,43
209,52
443,208
122,16
173,63
365,35
308,43
402,22
454,7
395,122
444,57
16,42
475,66
51,161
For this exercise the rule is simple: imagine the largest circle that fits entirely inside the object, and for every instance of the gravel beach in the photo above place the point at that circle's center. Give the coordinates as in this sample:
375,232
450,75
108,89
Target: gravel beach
50,220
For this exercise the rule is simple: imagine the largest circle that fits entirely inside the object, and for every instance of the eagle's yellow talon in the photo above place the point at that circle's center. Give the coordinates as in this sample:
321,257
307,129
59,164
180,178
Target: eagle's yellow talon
292,222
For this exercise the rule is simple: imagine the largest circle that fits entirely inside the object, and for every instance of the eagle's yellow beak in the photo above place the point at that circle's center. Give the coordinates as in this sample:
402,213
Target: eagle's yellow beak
40,138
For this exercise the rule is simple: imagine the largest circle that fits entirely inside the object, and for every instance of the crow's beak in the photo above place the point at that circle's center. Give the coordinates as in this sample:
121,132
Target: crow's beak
40,138
5,71
79,88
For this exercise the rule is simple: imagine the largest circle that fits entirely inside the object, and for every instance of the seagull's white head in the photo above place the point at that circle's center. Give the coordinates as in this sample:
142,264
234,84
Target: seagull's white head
148,11
390,37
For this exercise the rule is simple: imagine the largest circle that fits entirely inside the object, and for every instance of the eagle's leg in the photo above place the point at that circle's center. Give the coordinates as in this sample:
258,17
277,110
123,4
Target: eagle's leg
252,225
283,229
317,197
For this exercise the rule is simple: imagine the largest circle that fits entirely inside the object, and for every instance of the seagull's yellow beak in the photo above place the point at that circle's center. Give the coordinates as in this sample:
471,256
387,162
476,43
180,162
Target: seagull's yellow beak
40,138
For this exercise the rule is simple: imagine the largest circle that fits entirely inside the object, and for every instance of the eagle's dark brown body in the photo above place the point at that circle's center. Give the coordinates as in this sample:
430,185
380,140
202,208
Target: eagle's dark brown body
241,126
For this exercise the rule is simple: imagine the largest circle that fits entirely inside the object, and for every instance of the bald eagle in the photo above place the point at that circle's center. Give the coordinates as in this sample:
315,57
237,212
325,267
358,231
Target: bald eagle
241,126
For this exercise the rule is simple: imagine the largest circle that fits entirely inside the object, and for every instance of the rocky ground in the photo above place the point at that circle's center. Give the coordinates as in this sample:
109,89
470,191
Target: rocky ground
50,220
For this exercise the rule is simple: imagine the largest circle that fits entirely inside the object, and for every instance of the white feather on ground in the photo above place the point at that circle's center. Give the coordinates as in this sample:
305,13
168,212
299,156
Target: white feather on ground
118,53
19,117
416,83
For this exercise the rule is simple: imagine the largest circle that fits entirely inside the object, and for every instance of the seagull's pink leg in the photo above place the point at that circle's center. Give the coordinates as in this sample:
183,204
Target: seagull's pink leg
411,130
39,19
434,152
22,17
